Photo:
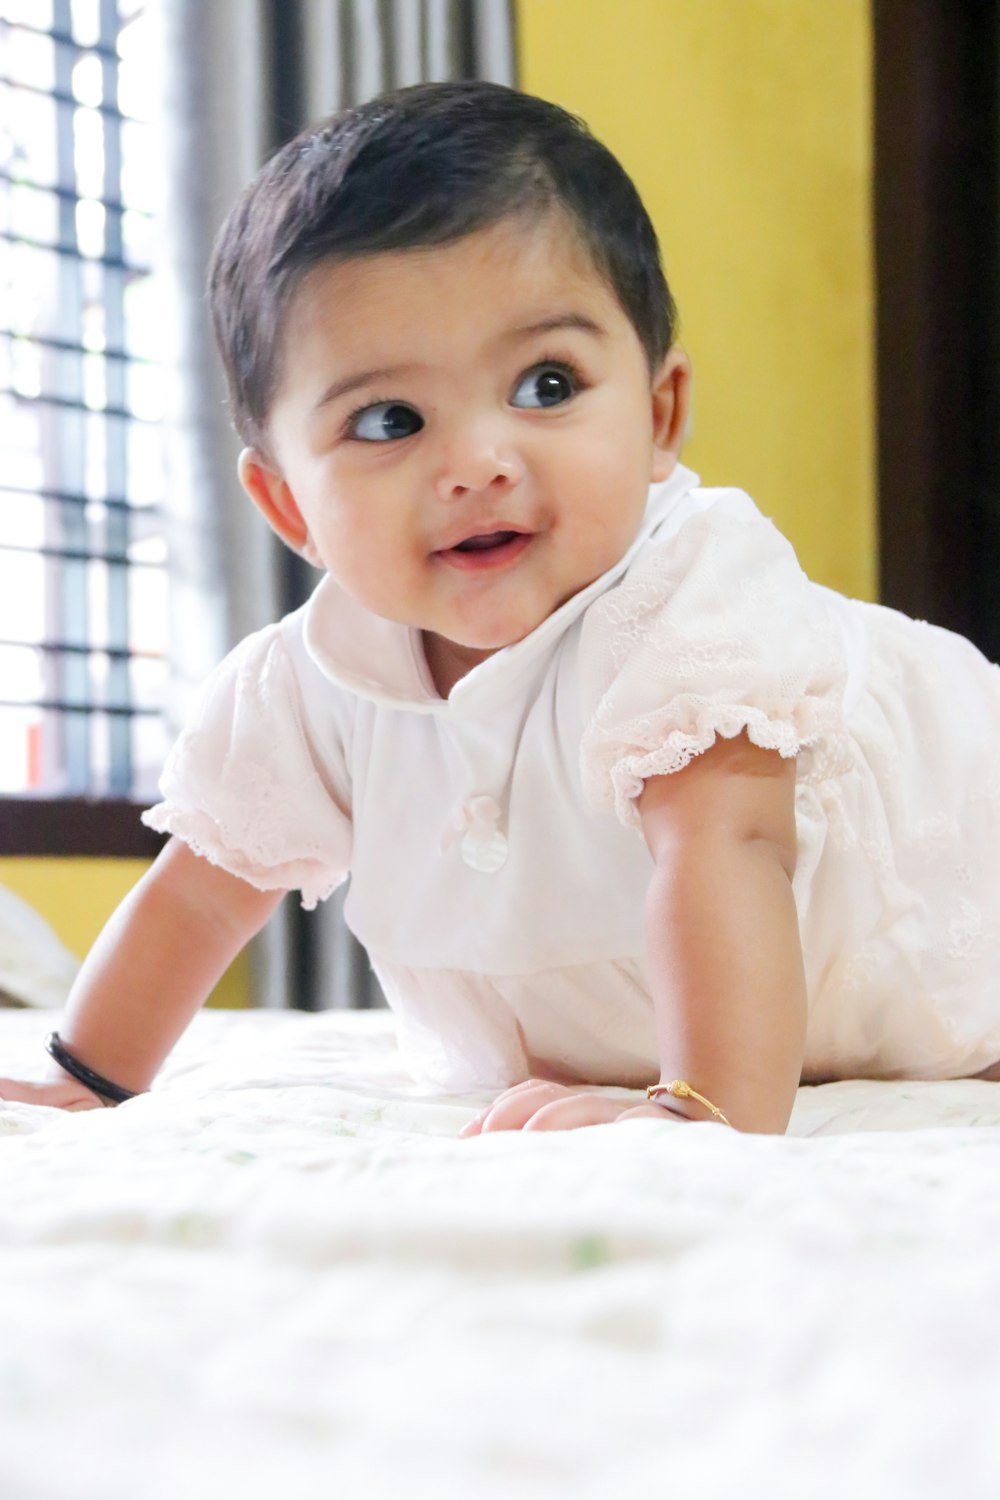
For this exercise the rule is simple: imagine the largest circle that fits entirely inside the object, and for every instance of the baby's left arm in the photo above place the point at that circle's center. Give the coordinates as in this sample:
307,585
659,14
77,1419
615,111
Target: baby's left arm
723,948
723,943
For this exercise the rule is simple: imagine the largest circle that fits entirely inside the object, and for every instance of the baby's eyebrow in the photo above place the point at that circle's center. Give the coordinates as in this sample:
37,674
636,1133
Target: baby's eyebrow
364,377
350,383
551,325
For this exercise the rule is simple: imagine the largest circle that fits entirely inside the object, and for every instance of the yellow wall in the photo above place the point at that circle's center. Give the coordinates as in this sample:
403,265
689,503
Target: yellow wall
76,897
746,125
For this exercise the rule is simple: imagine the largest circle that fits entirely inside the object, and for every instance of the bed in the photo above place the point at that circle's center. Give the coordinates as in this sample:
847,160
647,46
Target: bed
280,1274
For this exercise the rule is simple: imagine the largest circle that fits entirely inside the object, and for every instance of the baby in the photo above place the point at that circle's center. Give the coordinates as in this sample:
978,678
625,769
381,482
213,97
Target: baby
624,798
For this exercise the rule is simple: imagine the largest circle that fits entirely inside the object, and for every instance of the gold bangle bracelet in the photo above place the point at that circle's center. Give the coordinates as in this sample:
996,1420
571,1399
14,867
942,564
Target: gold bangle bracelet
681,1090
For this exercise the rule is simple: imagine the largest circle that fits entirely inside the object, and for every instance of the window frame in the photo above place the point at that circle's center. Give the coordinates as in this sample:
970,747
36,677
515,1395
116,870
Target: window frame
105,822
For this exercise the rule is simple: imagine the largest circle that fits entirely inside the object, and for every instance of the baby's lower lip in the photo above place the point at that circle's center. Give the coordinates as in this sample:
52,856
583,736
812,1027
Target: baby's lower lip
487,558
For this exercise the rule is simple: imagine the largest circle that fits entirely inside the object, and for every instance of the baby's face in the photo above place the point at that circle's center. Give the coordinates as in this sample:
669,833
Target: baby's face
467,433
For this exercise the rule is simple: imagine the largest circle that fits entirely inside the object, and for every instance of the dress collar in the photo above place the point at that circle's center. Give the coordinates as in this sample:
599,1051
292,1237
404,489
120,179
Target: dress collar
384,661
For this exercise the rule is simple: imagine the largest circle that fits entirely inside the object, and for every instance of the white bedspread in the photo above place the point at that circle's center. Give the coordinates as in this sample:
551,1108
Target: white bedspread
281,1275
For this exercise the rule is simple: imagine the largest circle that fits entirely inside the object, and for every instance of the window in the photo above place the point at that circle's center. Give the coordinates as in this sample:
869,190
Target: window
83,581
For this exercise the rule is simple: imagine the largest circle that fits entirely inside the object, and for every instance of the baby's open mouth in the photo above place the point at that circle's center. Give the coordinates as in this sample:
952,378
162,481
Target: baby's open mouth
485,550
485,542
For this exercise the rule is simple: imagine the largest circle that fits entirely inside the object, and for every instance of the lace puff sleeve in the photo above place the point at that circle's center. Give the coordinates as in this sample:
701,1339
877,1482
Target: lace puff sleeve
243,787
715,631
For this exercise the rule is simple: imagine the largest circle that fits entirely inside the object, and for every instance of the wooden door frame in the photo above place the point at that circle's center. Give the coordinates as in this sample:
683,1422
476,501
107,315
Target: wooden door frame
937,250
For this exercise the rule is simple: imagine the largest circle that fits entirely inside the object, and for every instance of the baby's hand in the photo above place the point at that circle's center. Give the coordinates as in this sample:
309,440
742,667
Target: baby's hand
539,1105
60,1094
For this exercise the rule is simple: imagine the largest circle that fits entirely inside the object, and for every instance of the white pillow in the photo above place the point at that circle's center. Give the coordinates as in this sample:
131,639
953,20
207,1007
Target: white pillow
35,968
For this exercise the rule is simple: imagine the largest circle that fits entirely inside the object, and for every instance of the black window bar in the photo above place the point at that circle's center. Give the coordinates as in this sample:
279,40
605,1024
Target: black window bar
73,421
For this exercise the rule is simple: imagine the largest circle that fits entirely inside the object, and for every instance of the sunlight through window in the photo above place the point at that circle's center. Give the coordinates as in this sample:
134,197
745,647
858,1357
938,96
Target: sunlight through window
83,547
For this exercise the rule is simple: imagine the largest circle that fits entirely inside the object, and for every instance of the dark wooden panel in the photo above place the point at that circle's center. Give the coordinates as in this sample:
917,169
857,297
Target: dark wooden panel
74,826
937,233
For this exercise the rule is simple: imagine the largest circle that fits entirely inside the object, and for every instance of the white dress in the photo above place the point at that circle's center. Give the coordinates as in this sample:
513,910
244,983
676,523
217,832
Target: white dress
498,874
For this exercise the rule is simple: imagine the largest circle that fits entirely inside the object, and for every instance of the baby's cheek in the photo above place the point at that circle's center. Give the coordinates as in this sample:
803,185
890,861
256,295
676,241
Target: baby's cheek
372,575
606,530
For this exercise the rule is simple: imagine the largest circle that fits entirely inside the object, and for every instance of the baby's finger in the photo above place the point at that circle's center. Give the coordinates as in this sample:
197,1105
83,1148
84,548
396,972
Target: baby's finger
13,1091
574,1112
515,1107
475,1125
55,1095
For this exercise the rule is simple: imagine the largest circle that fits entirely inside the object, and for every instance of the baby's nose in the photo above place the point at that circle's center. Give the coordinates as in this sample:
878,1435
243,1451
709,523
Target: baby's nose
474,465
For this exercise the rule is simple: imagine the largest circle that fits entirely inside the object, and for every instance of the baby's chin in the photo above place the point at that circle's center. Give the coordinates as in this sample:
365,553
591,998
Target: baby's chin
469,649
487,643
472,645
481,636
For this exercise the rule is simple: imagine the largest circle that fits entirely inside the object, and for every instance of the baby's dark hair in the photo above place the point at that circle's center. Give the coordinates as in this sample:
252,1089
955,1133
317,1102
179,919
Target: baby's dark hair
423,166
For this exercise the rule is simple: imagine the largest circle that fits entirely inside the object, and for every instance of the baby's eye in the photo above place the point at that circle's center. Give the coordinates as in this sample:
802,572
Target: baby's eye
546,385
383,422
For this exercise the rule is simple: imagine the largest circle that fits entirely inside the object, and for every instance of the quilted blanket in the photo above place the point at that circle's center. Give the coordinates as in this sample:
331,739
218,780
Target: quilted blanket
281,1273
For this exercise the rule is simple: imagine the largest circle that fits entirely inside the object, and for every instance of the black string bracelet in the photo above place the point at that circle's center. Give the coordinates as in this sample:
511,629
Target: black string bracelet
91,1080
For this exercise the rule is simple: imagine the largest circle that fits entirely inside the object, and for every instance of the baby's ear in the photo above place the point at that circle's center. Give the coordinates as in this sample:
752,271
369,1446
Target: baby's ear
671,394
272,497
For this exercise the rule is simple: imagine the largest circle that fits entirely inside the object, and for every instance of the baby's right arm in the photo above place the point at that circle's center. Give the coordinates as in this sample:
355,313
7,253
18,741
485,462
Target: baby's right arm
148,973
